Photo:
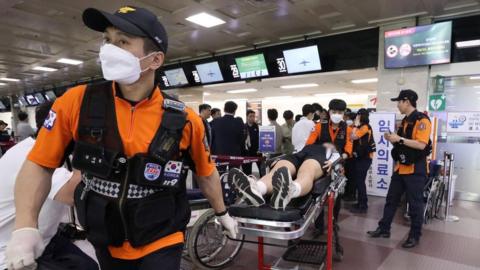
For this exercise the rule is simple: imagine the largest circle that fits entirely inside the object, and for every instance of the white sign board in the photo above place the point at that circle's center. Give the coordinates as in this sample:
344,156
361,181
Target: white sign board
380,173
463,122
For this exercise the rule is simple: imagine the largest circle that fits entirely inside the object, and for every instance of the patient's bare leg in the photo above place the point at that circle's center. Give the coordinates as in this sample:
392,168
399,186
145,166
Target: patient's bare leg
307,174
267,179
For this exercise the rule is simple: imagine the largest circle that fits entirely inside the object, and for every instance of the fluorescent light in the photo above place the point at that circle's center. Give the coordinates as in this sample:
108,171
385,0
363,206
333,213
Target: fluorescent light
476,86
475,78
205,20
206,94
238,91
10,79
305,85
369,80
69,61
278,97
331,94
1,83
468,43
45,69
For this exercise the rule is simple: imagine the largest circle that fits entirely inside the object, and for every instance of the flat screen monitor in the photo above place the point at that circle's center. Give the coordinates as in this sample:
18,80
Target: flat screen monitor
40,98
209,72
417,46
252,66
176,77
22,101
50,95
302,59
31,100
2,106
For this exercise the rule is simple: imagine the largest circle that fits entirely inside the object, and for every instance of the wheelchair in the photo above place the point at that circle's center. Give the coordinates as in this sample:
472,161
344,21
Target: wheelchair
434,193
206,245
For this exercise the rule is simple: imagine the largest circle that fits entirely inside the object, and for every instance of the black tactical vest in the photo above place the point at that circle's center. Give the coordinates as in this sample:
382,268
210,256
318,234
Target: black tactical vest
362,147
404,154
339,141
140,198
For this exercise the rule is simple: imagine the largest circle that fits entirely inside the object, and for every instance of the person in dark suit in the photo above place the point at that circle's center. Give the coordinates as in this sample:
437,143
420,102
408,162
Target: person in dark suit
251,141
228,133
204,110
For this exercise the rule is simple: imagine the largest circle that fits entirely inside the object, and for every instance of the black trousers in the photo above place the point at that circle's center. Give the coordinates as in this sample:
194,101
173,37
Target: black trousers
351,186
167,258
360,169
412,185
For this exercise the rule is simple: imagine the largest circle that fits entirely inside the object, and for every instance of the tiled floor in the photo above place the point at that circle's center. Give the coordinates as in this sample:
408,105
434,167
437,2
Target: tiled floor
444,246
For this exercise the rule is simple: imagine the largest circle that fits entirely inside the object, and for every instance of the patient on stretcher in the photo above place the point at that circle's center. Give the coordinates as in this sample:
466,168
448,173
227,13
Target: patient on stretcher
311,163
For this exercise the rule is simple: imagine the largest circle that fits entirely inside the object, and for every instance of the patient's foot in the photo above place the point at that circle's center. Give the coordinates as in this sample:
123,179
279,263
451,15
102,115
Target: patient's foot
282,188
245,187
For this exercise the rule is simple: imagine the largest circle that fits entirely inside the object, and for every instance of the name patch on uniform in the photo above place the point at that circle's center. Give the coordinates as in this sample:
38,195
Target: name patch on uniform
152,171
173,104
50,120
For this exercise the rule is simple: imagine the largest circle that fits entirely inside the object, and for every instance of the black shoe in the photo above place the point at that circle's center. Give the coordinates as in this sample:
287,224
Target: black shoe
358,210
244,187
379,233
282,188
410,242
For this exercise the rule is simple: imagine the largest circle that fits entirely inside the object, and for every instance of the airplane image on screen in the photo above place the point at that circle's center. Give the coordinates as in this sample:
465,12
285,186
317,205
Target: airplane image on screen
211,73
304,63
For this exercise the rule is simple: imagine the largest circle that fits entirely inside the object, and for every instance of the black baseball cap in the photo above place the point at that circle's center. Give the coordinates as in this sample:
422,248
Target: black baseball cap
131,20
406,94
3,123
337,105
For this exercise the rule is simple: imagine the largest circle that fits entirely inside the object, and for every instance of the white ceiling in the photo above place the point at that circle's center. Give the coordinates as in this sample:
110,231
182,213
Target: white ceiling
39,32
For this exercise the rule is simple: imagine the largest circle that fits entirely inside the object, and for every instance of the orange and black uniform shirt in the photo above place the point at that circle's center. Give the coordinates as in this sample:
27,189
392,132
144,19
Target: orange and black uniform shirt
317,132
363,131
137,126
421,132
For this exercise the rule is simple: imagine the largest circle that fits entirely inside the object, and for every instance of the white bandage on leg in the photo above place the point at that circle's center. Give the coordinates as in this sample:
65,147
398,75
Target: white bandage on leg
297,189
261,187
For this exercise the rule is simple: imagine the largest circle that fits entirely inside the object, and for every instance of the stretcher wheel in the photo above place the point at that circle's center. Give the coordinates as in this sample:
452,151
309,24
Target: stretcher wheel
208,246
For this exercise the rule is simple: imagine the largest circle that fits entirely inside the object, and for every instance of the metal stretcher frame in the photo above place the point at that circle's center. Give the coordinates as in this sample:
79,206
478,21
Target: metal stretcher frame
276,230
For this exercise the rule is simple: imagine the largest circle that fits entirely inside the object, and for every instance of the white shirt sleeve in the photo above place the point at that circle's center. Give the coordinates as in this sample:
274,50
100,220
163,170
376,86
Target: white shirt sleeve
60,177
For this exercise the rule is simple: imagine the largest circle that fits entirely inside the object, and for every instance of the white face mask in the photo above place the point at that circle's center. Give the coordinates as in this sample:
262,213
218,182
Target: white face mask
336,117
349,122
120,65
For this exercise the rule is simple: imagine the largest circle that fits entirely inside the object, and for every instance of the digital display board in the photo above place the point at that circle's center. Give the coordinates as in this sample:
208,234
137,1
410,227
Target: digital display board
416,46
176,77
31,100
2,106
22,101
209,72
40,98
50,95
302,59
252,66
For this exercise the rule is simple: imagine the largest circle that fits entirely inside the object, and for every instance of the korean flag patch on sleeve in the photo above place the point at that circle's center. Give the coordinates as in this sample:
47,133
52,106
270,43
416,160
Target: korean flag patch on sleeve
50,120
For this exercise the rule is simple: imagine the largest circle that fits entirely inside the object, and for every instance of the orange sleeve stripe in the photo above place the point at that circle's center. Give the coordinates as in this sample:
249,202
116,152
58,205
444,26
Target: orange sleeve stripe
314,135
127,252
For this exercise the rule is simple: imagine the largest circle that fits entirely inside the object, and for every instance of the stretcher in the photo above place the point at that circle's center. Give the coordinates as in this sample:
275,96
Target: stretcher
293,222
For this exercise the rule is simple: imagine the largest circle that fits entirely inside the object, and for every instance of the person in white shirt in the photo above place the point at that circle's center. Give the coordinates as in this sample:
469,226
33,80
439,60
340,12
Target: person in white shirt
55,210
24,130
302,129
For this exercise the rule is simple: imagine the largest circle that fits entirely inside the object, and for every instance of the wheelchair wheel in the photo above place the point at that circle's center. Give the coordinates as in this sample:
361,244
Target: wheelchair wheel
208,246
